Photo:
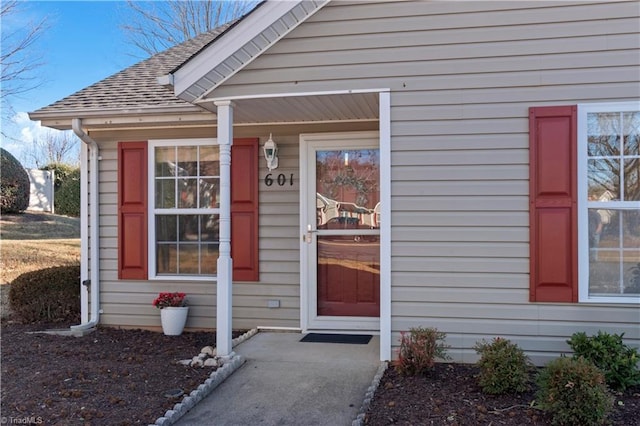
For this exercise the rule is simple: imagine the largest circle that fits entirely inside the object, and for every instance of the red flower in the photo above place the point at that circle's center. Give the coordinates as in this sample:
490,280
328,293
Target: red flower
165,300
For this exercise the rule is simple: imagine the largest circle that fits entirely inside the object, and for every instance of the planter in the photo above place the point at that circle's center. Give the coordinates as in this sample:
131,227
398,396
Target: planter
173,320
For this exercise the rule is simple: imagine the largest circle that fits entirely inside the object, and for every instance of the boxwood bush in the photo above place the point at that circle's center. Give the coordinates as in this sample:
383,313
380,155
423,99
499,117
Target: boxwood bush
504,367
574,392
15,186
46,295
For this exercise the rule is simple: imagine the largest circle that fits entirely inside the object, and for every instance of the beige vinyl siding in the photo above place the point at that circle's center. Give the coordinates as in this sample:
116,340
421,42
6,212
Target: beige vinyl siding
279,253
462,76
128,303
510,44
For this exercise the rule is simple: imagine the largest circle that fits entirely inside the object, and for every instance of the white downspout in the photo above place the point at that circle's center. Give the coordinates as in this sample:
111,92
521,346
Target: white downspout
93,215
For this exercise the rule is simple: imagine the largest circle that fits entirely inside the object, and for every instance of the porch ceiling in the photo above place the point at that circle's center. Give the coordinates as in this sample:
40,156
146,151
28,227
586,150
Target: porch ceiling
311,108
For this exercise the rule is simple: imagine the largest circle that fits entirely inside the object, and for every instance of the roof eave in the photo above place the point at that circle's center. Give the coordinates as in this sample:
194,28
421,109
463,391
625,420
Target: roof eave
143,117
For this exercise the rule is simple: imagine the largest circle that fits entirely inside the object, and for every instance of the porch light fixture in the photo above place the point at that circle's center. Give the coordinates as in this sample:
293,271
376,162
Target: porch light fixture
271,153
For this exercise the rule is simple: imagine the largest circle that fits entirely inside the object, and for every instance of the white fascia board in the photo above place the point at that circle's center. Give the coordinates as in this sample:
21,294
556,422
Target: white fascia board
114,112
232,41
133,121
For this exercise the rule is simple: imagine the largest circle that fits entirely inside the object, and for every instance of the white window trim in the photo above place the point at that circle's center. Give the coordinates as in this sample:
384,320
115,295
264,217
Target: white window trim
583,218
152,211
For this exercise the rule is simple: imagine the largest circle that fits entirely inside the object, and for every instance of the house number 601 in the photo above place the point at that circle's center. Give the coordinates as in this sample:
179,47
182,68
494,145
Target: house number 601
281,179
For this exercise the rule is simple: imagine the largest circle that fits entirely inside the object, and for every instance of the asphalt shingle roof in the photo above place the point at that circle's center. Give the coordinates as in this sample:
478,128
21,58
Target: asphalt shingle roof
136,86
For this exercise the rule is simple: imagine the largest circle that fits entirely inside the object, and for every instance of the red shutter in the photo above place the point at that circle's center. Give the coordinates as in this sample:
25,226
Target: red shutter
244,209
553,204
132,210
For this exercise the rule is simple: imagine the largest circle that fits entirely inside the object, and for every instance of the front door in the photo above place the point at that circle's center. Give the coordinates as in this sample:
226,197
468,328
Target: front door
342,232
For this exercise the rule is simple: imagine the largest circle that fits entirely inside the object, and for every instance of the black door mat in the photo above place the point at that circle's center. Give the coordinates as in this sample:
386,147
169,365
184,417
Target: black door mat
355,339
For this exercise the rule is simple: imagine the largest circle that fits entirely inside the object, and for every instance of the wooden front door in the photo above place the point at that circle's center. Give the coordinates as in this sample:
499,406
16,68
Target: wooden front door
343,228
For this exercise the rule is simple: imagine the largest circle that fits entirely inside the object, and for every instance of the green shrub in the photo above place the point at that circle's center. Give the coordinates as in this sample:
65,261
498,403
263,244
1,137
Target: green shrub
574,392
67,198
51,294
503,367
61,173
419,350
15,186
618,362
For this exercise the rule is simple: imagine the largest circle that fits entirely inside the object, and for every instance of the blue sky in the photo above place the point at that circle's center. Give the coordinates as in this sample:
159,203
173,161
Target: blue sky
83,45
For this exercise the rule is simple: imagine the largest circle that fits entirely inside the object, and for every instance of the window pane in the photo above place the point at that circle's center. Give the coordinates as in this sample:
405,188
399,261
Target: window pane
604,179
631,229
165,161
209,193
631,276
165,193
347,188
603,134
610,228
188,193
210,228
188,229
209,161
604,273
631,123
188,259
187,160
166,262
632,180
209,260
166,229
348,272
595,233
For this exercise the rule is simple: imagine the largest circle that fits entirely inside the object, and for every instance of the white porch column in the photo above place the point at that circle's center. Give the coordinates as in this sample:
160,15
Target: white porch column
225,262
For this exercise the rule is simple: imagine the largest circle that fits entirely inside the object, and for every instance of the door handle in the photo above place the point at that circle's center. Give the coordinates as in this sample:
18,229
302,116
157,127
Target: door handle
308,236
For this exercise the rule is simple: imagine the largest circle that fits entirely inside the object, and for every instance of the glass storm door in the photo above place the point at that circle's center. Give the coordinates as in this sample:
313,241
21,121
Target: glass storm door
343,231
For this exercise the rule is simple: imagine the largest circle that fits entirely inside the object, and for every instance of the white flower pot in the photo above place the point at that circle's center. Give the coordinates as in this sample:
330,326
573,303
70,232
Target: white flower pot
173,320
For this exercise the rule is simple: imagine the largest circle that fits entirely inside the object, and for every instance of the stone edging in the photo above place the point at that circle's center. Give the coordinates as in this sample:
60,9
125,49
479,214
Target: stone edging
369,395
215,379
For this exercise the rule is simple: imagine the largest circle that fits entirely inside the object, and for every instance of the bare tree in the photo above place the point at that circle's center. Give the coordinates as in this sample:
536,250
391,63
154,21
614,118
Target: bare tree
18,60
55,147
612,135
152,27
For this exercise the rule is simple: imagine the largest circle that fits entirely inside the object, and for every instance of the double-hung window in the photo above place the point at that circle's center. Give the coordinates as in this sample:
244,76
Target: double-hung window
184,206
609,202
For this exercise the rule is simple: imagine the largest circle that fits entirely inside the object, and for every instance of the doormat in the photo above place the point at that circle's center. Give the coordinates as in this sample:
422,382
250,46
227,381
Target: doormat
355,339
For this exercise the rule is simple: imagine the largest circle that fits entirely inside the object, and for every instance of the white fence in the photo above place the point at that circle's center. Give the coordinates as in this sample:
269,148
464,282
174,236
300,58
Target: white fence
41,197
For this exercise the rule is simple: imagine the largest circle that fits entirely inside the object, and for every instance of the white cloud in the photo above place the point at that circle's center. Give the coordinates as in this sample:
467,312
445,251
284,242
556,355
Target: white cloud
28,130
21,118
22,136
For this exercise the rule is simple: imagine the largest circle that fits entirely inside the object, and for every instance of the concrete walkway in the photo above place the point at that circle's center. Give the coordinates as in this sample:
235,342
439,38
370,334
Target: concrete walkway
288,382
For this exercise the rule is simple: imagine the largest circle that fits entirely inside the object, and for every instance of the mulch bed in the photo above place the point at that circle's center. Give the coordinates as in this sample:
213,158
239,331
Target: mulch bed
120,377
109,377
451,396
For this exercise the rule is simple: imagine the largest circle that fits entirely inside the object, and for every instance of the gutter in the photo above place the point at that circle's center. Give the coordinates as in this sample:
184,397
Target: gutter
91,214
104,115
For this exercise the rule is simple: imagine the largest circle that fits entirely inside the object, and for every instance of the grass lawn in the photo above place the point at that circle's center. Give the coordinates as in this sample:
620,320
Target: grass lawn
32,241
